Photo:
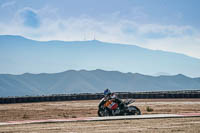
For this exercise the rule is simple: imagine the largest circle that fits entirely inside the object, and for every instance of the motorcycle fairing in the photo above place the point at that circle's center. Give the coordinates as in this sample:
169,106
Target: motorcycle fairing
111,105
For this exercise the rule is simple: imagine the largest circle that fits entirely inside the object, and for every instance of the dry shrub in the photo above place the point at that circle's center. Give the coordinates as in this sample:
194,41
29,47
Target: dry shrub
149,109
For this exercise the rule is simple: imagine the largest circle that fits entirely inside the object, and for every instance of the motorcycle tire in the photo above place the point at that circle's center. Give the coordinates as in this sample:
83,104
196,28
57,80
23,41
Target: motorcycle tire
102,113
134,110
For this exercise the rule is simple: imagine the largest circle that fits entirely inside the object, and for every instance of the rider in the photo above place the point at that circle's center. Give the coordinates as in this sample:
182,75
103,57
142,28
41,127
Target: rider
111,96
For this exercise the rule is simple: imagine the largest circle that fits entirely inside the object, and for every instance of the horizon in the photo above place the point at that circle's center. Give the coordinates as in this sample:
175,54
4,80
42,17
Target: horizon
158,74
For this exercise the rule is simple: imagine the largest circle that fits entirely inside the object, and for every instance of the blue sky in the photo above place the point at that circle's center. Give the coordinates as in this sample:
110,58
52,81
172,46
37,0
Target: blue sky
170,25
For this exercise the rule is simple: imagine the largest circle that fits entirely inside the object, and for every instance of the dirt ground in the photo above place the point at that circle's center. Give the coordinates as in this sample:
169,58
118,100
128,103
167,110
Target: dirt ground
174,125
73,109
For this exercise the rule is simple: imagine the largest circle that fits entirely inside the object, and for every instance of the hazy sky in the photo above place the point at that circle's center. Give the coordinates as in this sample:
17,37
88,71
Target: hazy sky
171,25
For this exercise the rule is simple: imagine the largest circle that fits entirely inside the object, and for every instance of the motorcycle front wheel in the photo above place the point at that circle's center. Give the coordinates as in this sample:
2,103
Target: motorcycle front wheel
133,110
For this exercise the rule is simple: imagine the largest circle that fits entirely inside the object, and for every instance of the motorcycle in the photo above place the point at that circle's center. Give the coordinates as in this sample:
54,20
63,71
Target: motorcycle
112,108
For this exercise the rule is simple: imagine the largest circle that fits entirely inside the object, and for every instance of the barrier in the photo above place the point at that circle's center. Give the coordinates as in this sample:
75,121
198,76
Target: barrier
89,96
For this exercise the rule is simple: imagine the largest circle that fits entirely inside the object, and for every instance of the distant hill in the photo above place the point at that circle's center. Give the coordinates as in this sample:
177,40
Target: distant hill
20,55
91,82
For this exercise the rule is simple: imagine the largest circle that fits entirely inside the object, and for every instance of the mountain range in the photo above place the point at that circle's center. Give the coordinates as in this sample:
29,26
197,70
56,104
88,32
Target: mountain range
29,67
19,55
84,81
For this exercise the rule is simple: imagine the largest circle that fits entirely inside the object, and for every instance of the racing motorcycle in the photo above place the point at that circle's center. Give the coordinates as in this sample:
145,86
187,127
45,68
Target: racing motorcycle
112,108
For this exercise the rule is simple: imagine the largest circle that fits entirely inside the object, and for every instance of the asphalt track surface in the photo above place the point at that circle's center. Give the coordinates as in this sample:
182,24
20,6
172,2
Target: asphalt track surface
86,119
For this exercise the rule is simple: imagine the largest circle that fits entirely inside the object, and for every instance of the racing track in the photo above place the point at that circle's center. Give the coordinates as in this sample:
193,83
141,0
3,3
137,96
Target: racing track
84,119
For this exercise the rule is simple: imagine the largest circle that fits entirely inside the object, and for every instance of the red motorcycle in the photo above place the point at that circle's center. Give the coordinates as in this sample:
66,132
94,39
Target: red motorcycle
112,108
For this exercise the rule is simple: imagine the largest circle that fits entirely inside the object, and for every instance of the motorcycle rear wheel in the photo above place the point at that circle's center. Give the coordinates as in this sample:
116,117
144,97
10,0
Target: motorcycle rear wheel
102,113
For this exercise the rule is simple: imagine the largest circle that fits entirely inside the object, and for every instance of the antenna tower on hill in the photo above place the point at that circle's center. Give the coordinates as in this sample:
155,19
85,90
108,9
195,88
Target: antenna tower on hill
94,37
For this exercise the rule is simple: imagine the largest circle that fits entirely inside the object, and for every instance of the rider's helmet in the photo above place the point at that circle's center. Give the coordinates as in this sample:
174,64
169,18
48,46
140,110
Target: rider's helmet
107,92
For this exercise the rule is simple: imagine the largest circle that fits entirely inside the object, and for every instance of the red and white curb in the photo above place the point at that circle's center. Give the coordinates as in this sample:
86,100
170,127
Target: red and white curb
81,119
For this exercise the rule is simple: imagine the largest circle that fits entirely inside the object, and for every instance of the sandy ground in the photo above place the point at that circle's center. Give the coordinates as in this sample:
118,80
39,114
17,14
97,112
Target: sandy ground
178,125
73,109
